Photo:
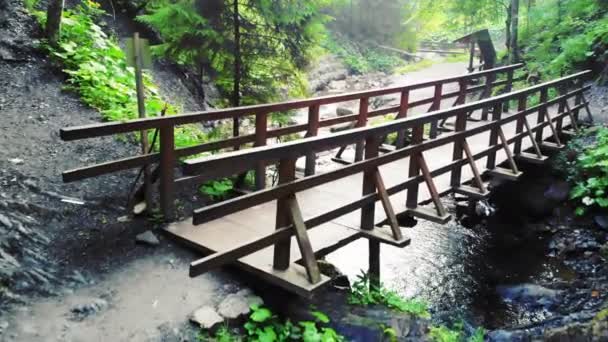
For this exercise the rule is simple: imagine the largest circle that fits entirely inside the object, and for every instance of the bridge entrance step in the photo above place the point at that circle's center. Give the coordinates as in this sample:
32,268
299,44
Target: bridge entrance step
472,192
503,173
429,214
532,158
551,146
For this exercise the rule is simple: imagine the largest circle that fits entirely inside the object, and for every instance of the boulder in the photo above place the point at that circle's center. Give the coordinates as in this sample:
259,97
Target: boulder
558,191
343,111
147,238
236,305
84,310
529,295
206,317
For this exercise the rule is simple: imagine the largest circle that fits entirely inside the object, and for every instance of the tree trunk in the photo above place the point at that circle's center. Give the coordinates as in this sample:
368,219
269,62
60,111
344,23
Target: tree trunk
236,96
508,30
514,55
53,22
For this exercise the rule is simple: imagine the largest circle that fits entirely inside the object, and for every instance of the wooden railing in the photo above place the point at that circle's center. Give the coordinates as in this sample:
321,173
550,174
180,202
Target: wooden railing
168,155
289,220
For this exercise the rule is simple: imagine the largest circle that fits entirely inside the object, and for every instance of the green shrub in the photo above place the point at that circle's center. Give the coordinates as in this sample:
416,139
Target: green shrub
364,294
360,58
589,171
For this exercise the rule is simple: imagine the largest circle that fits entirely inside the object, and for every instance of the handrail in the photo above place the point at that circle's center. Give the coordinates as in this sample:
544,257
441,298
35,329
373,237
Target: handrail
299,148
373,187
110,128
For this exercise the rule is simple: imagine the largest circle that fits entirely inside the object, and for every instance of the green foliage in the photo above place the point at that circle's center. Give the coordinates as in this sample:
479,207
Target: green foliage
31,5
364,294
588,171
217,190
456,333
563,37
264,326
361,58
277,40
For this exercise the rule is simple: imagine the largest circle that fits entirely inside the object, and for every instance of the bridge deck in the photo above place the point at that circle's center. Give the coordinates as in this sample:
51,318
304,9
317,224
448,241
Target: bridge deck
248,225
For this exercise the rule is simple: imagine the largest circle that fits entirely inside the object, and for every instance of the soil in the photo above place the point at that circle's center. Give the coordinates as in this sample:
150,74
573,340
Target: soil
65,244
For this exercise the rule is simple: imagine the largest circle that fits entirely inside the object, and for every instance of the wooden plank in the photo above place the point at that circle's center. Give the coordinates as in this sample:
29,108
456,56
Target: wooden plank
287,173
313,130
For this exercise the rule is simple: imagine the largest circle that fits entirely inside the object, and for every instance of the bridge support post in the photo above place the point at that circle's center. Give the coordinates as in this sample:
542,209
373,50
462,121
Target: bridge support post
435,106
496,115
367,212
282,249
261,128
519,126
487,92
541,114
313,129
508,88
361,122
414,169
403,108
460,126
167,163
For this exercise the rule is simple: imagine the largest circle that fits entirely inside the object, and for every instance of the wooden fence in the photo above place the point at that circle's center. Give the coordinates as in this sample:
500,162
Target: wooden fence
289,221
168,155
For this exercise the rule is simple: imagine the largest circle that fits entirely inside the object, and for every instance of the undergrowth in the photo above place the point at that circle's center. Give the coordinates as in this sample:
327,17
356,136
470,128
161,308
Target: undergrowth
361,58
584,163
97,70
363,294
265,326
455,333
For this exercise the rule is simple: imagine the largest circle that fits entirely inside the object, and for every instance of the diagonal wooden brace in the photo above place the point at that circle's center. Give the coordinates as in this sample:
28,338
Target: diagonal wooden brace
589,116
428,178
552,126
505,145
571,116
388,207
476,174
534,143
308,255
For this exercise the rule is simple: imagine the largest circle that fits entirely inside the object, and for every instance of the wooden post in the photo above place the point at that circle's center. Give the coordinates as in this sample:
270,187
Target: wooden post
460,126
361,122
367,212
578,99
487,92
261,129
471,55
374,264
369,184
496,114
541,114
403,108
308,255
414,169
53,22
167,163
313,130
141,109
435,106
561,108
508,88
282,249
519,126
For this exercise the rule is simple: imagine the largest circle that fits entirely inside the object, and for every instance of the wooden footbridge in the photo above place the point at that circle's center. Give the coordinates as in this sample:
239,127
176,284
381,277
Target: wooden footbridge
278,232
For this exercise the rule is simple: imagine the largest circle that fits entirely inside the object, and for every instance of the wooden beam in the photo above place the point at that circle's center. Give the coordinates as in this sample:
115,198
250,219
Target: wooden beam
308,256
388,207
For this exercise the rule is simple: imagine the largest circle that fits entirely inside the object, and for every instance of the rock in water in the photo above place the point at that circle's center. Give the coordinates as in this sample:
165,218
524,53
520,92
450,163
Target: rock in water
602,221
529,294
5,221
558,191
484,209
238,304
82,311
147,238
206,317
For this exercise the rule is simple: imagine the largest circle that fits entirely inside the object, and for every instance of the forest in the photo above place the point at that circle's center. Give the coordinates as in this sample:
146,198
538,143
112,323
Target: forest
518,258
